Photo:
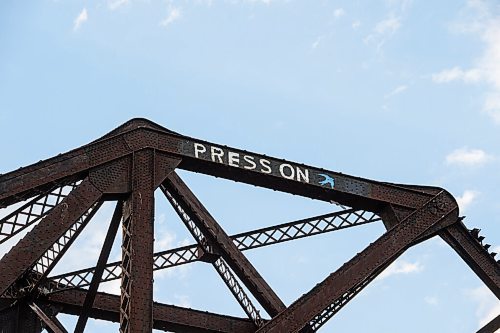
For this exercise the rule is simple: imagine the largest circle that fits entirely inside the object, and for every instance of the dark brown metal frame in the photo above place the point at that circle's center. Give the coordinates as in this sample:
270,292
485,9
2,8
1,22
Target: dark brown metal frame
129,164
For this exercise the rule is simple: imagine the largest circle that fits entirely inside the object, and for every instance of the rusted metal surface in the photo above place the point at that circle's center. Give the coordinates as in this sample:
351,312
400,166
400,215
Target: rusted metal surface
244,241
33,246
472,251
166,317
136,306
268,172
210,252
492,326
130,162
378,254
236,260
50,322
19,317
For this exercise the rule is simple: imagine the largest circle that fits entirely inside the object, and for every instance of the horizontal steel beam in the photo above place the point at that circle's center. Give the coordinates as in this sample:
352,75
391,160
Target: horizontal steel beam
216,160
166,317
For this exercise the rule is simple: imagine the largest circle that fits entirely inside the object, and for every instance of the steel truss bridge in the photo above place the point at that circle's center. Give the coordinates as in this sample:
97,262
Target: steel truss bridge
60,196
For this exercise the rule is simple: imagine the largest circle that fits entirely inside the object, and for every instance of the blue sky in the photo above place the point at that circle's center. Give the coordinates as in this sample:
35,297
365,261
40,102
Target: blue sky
399,91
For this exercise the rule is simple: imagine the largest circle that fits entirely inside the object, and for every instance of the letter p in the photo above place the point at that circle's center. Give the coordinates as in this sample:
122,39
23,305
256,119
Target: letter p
199,149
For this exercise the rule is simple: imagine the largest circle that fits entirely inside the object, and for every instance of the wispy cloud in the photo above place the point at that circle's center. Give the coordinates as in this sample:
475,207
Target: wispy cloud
401,266
115,4
173,14
466,199
483,21
111,287
457,74
182,300
386,28
267,2
488,306
80,19
165,239
382,32
396,91
316,42
468,157
339,12
431,300
356,24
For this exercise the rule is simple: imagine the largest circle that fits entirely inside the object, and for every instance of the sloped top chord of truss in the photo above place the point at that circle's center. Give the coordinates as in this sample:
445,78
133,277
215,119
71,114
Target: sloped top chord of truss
58,197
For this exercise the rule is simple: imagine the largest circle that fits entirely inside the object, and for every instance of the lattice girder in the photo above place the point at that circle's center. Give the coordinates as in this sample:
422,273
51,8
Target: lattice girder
244,241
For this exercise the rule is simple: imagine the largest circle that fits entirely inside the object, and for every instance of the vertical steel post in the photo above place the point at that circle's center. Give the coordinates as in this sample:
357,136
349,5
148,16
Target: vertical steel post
136,307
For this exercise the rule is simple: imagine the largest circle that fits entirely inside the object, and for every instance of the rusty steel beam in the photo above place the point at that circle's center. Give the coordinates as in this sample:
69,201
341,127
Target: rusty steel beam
236,260
368,262
136,307
17,316
322,318
474,254
52,324
149,169
208,158
51,257
238,292
165,317
209,252
32,247
101,262
491,327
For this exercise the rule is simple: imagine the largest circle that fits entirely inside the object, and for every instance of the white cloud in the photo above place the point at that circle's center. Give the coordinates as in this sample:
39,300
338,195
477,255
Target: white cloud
383,31
488,306
400,266
316,43
456,73
173,15
339,12
466,199
111,287
390,25
386,28
267,2
115,4
80,19
182,301
431,300
482,20
165,240
398,90
492,106
468,157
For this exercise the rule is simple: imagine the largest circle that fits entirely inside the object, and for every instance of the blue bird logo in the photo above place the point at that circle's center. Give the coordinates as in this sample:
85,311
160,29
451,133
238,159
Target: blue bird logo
327,180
